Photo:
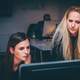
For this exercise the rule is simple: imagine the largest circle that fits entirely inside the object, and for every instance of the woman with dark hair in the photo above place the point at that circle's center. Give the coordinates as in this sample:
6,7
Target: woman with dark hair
18,52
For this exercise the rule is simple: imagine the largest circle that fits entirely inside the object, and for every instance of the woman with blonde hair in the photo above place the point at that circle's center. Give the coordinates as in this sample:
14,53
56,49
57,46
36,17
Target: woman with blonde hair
66,40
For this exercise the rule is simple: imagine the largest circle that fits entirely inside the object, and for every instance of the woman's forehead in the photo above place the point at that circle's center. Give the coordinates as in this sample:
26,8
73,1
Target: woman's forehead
74,15
24,43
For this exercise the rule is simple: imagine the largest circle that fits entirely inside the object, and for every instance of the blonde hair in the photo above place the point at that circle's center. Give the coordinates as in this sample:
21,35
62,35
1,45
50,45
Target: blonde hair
62,27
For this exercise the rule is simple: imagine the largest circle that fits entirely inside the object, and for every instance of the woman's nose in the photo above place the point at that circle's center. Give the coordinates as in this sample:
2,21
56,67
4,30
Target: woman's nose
25,51
73,24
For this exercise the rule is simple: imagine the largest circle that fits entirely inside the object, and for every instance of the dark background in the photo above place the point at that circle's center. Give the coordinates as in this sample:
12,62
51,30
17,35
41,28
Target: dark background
7,6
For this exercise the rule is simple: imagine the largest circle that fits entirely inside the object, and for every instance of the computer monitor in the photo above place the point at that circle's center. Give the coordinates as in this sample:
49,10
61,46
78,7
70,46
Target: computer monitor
57,70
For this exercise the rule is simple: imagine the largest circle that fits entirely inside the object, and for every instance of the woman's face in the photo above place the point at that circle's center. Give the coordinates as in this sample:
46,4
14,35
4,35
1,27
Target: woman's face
21,50
73,22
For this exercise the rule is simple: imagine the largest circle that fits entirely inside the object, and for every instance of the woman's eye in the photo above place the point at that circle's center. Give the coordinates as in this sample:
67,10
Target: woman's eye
77,22
21,48
70,20
28,47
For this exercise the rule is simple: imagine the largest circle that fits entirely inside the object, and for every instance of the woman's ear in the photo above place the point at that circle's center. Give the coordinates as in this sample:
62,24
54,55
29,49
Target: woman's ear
11,50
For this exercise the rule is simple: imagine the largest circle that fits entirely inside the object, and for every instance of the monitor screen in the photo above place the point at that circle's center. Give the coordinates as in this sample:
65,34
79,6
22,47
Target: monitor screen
57,70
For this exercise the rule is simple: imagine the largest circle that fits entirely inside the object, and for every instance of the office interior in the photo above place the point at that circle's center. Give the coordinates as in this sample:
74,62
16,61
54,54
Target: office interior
17,15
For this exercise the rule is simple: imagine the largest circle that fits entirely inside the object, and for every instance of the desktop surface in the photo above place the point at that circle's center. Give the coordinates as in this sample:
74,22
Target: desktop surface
58,70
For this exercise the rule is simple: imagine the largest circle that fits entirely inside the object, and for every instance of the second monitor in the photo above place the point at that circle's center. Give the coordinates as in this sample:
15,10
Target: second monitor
58,70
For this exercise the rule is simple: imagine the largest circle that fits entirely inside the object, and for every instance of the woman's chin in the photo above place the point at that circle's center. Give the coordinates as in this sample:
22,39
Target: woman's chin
74,34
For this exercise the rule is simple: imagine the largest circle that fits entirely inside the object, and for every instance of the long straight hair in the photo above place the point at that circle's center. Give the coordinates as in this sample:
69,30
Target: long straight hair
62,28
14,39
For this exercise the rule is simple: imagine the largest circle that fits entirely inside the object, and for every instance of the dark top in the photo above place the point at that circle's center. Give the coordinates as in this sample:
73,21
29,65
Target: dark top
74,44
10,74
15,75
57,48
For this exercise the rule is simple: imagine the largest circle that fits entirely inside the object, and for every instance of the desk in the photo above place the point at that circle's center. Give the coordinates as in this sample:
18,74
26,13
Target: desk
42,45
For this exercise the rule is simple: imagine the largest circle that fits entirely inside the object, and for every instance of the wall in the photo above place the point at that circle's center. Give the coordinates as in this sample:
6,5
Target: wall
20,20
25,13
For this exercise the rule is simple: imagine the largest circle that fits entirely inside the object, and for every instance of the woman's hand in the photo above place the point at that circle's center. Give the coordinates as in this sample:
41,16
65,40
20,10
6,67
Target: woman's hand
28,59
